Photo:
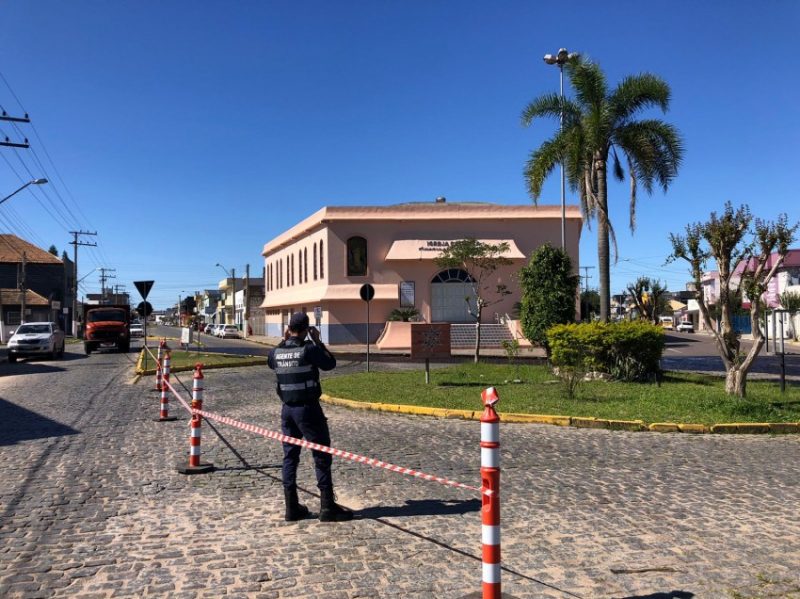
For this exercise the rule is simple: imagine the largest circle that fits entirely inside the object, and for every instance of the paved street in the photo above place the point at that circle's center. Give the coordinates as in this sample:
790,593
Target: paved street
92,504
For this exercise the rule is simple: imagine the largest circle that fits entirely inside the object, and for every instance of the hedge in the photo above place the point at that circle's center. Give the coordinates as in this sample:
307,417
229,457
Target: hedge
629,351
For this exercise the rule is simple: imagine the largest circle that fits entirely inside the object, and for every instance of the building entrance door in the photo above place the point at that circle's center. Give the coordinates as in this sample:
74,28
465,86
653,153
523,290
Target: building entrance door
449,290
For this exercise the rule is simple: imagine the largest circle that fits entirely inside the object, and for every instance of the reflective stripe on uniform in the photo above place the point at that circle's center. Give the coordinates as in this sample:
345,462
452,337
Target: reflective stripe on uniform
298,386
297,369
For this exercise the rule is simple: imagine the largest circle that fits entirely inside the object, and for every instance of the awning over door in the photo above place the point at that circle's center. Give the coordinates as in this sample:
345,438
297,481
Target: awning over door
430,249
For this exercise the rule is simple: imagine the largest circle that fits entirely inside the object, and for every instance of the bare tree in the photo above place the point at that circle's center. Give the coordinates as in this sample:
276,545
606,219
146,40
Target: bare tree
480,260
734,239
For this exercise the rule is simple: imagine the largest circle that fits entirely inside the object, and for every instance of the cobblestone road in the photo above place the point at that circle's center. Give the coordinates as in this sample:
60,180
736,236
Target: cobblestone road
92,504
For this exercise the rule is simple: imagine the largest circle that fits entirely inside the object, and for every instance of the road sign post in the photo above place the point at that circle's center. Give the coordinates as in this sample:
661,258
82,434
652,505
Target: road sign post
144,288
367,292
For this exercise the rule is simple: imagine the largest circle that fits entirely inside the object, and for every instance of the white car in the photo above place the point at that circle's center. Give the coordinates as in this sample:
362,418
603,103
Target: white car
229,330
137,329
685,327
36,339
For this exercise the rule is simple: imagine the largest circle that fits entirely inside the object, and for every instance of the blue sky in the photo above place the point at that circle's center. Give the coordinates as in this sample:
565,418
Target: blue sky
190,133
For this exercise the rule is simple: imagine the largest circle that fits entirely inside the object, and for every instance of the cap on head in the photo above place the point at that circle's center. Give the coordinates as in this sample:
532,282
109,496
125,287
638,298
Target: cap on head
298,322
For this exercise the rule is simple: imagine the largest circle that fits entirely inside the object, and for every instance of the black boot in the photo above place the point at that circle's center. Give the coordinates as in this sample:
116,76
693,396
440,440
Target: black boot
294,509
330,511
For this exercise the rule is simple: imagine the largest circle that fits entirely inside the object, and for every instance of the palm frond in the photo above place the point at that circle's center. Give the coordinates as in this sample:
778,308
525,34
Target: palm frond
588,82
548,105
655,148
637,92
541,163
619,173
633,175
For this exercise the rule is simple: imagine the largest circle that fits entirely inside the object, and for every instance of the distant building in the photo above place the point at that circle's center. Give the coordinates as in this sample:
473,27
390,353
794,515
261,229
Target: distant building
47,277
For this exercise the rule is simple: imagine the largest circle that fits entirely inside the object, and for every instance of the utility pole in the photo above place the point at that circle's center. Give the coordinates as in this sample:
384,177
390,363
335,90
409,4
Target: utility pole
586,277
246,324
23,289
75,243
4,116
103,278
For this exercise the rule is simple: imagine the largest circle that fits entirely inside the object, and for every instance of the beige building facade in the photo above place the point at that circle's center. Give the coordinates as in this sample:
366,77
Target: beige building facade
319,265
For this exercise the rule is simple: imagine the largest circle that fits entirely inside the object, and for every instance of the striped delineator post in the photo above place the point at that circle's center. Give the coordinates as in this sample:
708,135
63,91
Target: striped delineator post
159,361
195,467
164,413
490,502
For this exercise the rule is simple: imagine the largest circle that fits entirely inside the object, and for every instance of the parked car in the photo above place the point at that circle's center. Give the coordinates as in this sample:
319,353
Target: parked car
209,328
229,330
216,329
667,322
36,339
137,329
686,326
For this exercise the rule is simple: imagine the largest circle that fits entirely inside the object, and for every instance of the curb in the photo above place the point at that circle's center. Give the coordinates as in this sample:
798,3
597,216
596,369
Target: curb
253,361
748,428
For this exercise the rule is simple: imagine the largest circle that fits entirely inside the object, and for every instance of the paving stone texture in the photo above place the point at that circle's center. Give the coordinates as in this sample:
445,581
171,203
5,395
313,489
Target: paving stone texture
92,504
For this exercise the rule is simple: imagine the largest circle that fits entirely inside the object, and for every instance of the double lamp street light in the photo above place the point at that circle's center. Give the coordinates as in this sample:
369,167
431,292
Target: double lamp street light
560,59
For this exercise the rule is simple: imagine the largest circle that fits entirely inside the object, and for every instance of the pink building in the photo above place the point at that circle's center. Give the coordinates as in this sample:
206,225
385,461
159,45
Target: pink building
319,265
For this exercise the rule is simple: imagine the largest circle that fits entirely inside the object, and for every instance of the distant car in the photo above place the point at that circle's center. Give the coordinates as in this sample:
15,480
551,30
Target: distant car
667,322
685,327
36,339
208,328
137,329
229,330
216,329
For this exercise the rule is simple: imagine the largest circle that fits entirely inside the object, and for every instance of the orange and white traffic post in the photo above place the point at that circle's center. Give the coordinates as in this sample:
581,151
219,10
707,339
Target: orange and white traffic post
490,496
195,467
159,361
164,413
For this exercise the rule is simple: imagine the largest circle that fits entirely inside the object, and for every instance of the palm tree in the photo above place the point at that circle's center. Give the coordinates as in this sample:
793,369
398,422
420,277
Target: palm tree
598,125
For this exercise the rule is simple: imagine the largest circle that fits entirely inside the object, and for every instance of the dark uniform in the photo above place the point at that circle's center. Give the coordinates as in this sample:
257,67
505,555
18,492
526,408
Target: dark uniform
297,364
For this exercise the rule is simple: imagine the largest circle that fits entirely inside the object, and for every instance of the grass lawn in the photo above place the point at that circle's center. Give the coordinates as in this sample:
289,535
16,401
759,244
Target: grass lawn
180,359
681,398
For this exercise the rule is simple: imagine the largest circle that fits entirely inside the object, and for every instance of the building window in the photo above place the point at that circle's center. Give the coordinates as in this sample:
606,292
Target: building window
300,265
305,265
280,275
321,261
356,257
291,270
315,261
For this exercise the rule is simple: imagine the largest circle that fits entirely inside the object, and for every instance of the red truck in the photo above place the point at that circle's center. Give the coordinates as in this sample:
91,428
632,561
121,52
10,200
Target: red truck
107,326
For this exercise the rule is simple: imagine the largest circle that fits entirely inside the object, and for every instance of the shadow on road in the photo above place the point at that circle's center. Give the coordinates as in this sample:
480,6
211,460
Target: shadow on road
19,424
670,595
424,507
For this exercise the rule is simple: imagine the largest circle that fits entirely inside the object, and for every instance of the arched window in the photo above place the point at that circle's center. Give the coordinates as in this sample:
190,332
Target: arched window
356,257
305,265
300,267
314,260
452,275
291,270
268,278
321,260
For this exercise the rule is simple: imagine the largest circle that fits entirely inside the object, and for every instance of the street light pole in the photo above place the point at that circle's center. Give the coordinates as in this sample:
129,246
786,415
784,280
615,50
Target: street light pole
32,182
232,275
561,59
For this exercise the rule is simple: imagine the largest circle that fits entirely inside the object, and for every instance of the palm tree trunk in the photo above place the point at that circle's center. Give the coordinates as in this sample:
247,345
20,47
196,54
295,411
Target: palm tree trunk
602,240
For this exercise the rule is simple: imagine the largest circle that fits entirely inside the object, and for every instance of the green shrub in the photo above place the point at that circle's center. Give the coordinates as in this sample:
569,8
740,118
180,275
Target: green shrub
629,351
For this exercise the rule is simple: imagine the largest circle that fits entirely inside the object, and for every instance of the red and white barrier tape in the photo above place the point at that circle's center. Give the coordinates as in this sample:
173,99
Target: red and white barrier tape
324,448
